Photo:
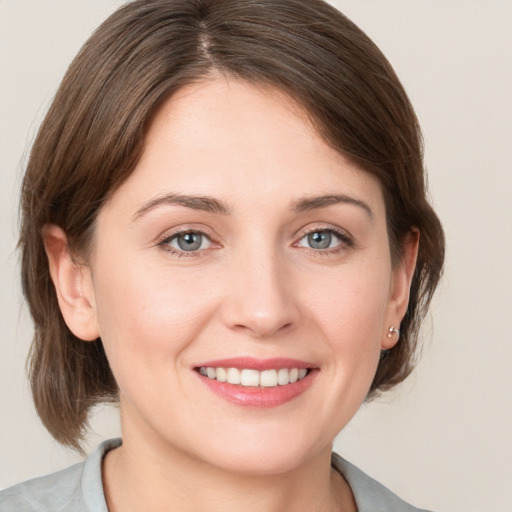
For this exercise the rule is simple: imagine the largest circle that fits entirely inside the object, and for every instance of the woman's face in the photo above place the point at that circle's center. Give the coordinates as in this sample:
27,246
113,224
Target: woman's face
242,241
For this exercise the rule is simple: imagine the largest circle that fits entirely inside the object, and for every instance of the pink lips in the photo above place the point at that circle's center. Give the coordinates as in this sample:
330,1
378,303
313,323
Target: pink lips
252,363
258,397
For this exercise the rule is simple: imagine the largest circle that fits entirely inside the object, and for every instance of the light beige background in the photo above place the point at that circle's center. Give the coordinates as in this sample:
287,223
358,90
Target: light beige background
444,439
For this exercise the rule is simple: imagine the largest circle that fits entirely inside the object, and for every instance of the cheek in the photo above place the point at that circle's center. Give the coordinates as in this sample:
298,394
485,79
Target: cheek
351,312
353,300
146,314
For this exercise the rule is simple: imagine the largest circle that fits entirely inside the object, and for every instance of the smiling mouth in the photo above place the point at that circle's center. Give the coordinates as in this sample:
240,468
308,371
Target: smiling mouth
253,378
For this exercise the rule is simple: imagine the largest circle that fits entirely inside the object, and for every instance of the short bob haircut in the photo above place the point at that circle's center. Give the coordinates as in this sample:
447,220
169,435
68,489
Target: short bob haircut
93,134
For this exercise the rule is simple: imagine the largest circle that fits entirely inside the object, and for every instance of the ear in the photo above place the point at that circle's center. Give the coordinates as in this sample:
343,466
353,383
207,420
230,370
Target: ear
400,287
73,285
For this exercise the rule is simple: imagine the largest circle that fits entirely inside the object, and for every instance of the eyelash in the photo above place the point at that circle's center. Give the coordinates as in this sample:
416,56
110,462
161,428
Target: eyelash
346,242
165,243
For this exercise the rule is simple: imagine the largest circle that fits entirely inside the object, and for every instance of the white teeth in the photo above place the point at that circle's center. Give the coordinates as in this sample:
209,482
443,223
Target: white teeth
268,378
254,378
250,378
233,375
222,375
283,376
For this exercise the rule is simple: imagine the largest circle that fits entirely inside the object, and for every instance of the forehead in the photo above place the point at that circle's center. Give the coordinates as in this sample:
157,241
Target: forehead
241,143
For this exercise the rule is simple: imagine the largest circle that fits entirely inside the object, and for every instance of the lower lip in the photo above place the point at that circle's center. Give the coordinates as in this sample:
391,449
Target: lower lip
262,397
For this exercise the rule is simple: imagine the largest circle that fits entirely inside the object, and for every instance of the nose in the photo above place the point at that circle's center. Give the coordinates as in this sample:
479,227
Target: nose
260,299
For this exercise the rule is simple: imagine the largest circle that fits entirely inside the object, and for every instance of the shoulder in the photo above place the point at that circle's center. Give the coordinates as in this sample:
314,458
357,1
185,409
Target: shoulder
58,491
77,488
370,495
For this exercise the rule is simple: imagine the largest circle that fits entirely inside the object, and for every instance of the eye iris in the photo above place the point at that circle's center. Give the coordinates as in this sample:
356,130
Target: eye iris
189,241
320,240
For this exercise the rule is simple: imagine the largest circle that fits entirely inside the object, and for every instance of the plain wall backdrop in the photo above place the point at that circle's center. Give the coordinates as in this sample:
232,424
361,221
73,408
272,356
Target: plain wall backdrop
443,440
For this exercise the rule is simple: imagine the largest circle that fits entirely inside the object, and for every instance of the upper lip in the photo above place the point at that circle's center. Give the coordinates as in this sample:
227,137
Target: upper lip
253,363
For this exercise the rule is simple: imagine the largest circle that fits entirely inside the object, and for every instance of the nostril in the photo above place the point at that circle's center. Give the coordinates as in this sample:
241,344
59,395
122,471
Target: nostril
261,329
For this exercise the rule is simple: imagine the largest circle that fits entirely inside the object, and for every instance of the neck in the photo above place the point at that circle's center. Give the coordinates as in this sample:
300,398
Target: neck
137,476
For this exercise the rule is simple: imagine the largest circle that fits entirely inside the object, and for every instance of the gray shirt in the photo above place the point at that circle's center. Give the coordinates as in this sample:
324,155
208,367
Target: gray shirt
79,489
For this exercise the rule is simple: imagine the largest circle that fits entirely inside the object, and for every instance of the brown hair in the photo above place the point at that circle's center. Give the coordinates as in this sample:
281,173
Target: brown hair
92,136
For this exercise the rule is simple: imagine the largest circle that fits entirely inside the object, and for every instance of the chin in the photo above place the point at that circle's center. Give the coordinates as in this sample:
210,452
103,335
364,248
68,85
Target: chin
264,452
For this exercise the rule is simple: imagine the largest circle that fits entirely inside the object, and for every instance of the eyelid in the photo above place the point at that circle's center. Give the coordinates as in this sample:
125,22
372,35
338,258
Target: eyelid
312,228
163,241
345,238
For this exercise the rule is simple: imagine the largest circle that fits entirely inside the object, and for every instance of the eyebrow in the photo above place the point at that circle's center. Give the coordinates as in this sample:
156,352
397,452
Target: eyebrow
202,203
212,205
311,203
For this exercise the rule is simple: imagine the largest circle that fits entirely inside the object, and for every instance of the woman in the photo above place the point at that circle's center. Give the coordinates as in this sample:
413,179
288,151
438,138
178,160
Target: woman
225,228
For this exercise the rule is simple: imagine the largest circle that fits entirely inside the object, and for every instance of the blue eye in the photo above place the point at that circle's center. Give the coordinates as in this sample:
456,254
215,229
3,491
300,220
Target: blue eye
189,241
321,239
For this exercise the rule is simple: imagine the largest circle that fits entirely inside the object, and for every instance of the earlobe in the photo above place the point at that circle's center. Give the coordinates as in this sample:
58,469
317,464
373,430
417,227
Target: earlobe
400,288
73,285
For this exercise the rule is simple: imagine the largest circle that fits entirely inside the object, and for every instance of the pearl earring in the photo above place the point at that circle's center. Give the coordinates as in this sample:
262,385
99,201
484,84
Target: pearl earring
392,331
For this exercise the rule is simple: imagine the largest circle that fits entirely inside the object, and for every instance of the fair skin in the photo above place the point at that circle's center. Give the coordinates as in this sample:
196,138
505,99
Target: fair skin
287,257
